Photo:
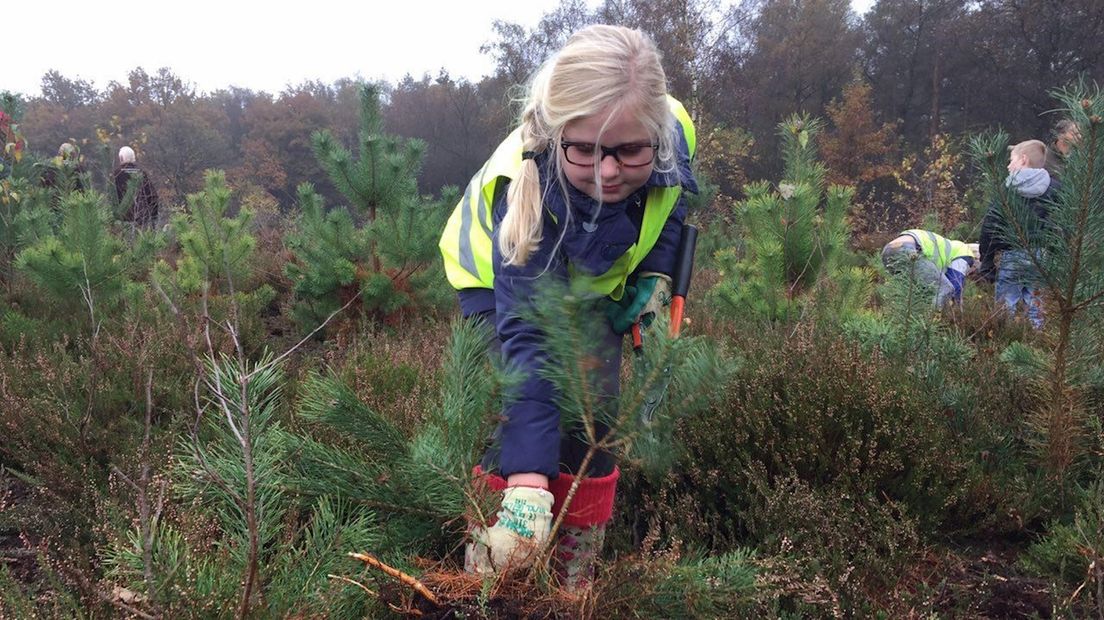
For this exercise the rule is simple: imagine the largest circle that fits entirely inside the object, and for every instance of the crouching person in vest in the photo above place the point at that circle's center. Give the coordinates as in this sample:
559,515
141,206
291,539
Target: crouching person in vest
936,261
588,188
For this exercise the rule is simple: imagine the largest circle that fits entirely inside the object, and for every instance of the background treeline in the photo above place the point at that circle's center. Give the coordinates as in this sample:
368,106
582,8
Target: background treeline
918,70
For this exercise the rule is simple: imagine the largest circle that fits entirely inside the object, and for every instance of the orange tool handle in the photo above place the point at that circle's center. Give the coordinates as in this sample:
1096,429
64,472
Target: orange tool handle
678,304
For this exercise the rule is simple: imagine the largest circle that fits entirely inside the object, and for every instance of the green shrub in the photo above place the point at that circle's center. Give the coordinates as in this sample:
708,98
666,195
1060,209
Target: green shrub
837,451
831,549
1071,553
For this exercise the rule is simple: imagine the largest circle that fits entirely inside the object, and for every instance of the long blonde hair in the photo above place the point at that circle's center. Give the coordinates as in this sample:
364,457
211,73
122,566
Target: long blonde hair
600,69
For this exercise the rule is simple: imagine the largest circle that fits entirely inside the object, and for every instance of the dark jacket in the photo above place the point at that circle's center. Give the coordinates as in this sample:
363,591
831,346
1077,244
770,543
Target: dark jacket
143,211
530,438
1055,161
992,241
68,174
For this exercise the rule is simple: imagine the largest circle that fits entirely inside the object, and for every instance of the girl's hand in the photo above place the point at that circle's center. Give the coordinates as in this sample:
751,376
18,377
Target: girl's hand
641,302
523,526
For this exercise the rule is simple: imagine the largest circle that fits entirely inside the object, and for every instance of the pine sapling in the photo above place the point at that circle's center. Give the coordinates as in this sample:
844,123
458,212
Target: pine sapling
1066,264
796,235
383,245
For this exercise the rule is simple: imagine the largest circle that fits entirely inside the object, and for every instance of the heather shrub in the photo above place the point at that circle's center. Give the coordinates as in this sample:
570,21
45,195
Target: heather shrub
395,372
816,407
952,355
69,406
47,597
835,459
1071,553
830,549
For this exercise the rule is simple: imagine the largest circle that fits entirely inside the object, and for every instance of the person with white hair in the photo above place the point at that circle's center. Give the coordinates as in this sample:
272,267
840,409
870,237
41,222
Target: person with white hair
129,177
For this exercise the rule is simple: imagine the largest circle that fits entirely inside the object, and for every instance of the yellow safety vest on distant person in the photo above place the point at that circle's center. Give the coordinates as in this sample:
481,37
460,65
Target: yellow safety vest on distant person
466,242
939,250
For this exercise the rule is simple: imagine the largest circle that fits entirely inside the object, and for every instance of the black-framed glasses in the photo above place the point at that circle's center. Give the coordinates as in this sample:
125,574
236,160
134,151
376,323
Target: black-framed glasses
631,155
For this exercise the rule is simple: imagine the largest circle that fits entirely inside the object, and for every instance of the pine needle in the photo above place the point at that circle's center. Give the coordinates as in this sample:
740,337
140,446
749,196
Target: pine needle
355,583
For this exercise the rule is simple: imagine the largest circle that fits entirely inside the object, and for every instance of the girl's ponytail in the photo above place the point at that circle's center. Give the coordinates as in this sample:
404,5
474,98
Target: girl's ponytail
521,229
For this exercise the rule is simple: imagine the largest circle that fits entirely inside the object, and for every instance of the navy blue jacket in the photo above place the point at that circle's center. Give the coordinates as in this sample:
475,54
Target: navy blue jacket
530,438
991,241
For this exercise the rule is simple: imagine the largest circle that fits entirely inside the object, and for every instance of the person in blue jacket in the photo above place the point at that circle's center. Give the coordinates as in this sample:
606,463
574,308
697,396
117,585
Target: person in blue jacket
1017,281
588,188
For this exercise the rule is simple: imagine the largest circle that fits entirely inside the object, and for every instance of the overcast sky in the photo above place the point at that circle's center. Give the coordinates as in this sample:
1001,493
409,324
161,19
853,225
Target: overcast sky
258,45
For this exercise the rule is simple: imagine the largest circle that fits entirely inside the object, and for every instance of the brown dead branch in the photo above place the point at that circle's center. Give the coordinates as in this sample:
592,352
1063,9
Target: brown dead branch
398,575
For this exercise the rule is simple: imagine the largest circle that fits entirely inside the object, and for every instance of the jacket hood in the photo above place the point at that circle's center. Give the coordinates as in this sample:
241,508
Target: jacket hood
1029,182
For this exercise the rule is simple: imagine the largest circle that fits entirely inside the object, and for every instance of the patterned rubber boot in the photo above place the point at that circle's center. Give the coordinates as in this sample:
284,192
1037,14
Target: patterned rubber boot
580,537
577,551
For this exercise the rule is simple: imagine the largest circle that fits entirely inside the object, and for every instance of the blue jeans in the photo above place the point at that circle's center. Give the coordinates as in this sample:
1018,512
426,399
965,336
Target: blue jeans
1015,285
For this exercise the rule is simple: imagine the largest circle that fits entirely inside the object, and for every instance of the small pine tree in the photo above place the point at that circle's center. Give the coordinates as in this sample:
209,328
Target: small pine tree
422,483
215,246
235,469
1067,266
419,482
327,246
796,235
390,237
83,268
686,366
25,219
213,269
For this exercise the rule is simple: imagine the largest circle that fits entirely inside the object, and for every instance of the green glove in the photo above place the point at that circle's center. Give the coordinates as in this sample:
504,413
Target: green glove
524,523
641,302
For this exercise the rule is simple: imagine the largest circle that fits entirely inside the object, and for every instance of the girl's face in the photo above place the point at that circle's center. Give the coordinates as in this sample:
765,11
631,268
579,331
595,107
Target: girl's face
614,181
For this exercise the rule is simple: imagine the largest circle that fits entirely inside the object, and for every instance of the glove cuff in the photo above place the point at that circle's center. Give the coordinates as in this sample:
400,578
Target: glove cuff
654,274
593,501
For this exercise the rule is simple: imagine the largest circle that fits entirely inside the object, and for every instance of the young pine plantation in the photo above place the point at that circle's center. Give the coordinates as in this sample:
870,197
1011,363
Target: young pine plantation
255,413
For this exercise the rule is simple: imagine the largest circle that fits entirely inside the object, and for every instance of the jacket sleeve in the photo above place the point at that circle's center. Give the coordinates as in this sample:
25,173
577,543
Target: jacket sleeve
530,437
989,243
150,201
956,275
120,180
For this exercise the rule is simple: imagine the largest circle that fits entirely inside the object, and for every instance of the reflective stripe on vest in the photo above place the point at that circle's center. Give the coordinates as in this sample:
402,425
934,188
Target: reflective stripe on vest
939,250
466,241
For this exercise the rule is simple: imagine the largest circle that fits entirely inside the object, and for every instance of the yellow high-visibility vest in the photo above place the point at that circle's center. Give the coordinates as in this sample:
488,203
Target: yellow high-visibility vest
466,241
940,250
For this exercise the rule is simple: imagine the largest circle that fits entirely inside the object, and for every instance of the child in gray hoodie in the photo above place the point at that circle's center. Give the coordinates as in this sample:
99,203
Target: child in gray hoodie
1015,280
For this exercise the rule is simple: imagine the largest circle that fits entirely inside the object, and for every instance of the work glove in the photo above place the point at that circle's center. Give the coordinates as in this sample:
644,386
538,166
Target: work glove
642,302
524,523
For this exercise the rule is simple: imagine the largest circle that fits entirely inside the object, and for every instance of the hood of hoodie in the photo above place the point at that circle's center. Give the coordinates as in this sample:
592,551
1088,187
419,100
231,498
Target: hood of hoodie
1029,182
